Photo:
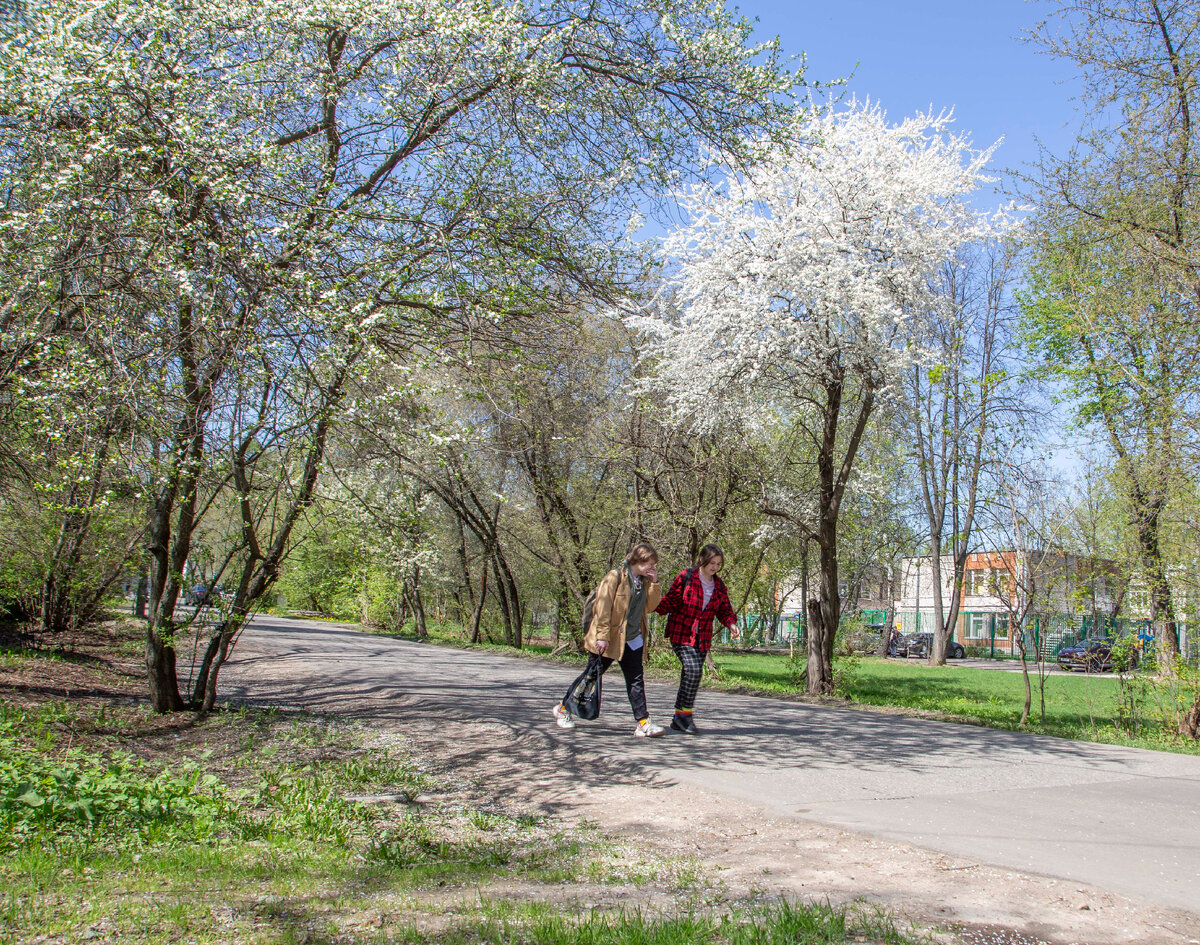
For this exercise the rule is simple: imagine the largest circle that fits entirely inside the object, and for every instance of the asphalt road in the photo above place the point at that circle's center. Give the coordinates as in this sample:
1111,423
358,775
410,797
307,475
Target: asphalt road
1122,819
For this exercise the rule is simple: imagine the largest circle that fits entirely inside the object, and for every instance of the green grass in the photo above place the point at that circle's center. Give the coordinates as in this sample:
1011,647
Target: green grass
254,833
272,847
779,923
260,840
1088,707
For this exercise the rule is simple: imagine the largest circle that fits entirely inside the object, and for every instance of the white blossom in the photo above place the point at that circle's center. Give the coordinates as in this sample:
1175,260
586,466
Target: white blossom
812,265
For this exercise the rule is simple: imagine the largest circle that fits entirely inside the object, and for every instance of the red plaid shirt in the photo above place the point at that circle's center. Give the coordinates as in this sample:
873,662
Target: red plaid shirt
691,623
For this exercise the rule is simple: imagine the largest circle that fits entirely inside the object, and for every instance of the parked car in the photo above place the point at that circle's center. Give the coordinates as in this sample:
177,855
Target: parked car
919,645
202,594
864,640
1095,654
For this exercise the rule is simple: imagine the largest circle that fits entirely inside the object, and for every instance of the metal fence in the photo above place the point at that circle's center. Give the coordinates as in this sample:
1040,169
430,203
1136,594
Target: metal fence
990,634
983,633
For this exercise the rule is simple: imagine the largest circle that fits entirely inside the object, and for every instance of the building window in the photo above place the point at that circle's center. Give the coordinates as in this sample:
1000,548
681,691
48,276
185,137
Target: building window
1002,626
977,626
988,582
979,582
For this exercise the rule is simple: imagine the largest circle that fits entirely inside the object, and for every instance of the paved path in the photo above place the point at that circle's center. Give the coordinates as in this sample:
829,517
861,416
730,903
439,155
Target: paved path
1122,819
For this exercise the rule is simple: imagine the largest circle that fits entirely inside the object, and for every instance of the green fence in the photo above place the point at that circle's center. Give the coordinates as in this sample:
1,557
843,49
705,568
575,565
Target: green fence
786,629
1044,635
984,633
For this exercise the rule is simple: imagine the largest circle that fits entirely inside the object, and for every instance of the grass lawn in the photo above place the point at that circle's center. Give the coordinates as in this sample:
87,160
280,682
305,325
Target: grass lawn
1089,707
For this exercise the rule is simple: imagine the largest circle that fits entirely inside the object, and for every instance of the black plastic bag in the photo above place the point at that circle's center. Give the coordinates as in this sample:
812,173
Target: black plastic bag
583,701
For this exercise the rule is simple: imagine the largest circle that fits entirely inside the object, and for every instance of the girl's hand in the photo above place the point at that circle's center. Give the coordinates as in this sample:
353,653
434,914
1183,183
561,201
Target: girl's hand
601,646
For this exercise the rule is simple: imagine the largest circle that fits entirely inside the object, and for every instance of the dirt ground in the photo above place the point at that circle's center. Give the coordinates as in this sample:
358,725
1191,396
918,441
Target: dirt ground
752,852
756,853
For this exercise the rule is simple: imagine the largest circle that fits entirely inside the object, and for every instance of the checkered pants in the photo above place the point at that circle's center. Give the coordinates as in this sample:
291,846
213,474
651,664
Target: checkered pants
692,661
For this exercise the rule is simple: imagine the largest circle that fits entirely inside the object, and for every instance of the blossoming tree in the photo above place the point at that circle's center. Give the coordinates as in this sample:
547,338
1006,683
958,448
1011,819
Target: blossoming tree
216,217
797,286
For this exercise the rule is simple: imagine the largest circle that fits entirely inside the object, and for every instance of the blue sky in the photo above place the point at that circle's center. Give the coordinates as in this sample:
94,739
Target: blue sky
967,55
911,54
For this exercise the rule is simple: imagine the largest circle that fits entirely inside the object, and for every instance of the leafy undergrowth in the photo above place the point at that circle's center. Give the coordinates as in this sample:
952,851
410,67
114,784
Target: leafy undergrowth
260,826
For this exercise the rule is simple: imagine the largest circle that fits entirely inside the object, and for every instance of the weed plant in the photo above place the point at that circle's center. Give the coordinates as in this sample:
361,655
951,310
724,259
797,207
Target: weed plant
782,923
72,797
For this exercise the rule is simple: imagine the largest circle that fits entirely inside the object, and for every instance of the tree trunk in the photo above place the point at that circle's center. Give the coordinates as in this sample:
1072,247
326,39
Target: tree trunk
415,602
169,548
402,607
1162,611
1020,641
139,598
160,672
462,561
562,611
1189,725
206,663
501,593
941,636
54,605
513,595
477,616
956,594
815,672
804,587
828,607
229,629
56,602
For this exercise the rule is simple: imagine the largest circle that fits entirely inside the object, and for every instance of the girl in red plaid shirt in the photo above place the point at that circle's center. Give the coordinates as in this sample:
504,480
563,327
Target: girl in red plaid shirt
696,597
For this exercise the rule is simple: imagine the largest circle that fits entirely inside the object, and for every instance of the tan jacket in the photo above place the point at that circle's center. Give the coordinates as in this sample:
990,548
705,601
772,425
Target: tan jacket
611,608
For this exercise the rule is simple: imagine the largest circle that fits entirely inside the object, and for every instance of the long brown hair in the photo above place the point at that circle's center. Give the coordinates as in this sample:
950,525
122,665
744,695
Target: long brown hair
707,553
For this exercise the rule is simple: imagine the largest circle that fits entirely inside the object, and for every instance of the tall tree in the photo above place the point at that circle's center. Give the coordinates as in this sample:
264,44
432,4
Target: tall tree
1119,334
246,205
965,401
798,283
1116,277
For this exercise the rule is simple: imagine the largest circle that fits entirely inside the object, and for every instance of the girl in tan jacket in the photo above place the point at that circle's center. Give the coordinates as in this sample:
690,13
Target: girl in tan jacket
618,631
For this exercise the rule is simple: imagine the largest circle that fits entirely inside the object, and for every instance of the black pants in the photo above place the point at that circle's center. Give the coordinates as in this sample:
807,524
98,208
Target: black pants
635,683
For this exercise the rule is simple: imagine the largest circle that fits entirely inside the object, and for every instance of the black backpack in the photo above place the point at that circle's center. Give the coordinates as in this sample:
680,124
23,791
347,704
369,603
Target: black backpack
588,606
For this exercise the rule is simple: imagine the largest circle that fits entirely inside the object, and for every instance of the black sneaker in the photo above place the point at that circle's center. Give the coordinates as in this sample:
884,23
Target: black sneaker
684,723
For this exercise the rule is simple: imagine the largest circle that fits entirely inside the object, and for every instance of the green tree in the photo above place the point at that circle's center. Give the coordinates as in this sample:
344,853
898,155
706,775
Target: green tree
234,210
1118,332
1115,278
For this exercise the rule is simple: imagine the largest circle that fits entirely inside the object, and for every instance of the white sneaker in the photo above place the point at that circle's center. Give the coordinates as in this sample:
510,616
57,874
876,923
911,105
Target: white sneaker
562,717
647,729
